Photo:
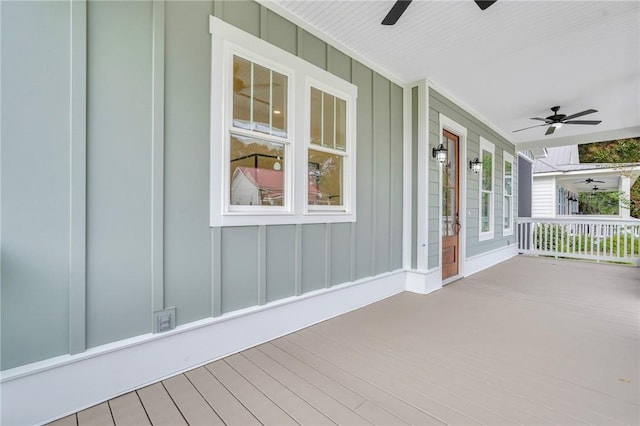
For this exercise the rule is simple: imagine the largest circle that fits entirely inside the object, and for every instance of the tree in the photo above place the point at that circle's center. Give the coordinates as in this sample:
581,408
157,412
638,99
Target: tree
623,152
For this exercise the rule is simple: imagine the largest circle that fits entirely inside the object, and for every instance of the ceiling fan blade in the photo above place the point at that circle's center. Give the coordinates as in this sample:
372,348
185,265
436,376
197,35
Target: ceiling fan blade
531,127
579,114
550,130
538,118
262,101
582,122
396,12
484,4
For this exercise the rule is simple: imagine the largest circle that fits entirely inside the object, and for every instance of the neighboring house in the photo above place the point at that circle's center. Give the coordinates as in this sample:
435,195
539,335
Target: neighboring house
559,177
257,186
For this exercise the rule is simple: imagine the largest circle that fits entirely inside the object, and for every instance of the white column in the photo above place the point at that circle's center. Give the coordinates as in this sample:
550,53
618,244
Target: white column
625,194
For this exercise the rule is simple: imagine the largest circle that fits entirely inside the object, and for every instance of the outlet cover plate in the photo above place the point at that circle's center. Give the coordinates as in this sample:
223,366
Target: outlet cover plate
164,320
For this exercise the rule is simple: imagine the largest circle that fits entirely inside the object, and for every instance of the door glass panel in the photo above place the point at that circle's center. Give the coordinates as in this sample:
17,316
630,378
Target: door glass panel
449,182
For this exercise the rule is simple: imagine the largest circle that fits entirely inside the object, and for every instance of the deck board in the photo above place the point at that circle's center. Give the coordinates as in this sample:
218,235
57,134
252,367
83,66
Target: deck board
265,410
98,415
230,410
292,404
531,341
71,420
159,406
326,404
127,410
381,397
190,402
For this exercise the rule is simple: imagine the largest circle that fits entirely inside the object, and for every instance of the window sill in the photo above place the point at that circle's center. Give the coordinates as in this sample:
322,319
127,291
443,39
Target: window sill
485,237
281,219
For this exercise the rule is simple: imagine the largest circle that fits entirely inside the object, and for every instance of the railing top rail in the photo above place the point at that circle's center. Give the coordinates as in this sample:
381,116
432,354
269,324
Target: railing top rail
578,219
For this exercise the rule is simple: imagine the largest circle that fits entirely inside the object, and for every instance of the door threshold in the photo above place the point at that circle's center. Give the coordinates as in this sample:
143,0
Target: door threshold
452,279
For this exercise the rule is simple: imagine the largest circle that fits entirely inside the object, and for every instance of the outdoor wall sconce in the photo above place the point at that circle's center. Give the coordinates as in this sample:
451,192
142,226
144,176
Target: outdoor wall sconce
439,153
475,165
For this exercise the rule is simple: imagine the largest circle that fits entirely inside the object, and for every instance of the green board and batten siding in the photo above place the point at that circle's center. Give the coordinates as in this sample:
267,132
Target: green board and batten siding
439,104
132,264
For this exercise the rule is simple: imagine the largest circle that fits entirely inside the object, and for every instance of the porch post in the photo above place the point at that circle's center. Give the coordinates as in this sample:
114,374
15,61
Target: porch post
625,194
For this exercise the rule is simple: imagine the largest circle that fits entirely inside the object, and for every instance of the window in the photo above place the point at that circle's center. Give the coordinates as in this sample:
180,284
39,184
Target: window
327,151
507,192
258,139
487,151
282,135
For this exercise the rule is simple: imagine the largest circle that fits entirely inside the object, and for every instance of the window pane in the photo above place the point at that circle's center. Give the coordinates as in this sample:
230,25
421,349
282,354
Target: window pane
341,124
486,201
279,98
507,212
487,171
507,177
316,116
328,108
241,93
257,172
259,98
325,179
261,102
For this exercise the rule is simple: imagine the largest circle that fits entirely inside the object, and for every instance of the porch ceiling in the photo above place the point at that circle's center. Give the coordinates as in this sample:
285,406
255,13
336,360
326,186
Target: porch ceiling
508,63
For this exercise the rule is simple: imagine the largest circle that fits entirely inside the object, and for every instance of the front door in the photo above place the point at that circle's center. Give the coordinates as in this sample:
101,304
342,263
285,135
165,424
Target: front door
450,206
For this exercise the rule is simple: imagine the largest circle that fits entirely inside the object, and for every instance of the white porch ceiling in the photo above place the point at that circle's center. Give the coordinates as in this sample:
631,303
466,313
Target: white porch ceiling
508,63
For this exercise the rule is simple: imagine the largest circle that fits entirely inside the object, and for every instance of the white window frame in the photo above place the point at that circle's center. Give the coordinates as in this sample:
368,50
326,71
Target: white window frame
347,154
227,41
488,235
507,158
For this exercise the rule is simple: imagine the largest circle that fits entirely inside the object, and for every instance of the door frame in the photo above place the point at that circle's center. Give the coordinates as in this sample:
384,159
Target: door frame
445,123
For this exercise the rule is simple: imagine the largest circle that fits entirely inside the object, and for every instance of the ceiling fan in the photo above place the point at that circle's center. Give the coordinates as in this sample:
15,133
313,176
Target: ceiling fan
556,120
239,87
401,5
589,180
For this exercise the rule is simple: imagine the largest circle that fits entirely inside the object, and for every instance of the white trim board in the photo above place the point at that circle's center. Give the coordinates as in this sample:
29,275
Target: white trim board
488,259
424,282
31,394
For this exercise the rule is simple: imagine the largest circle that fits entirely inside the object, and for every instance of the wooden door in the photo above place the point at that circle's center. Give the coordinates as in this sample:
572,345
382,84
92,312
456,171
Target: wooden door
450,221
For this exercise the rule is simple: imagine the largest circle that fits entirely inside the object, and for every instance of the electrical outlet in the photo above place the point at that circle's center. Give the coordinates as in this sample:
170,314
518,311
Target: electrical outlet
164,320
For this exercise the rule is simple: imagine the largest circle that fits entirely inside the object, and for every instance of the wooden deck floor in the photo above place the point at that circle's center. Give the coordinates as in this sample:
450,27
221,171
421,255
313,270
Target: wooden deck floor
531,341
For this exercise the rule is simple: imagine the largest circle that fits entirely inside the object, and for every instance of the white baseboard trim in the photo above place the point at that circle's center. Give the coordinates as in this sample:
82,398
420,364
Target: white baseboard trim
485,260
45,391
424,282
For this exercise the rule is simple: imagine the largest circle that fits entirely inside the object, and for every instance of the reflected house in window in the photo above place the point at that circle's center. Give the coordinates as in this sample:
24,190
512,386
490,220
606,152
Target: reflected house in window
261,187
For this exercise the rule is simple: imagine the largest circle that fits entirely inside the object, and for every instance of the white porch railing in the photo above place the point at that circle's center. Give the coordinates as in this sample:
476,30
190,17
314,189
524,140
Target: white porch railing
610,239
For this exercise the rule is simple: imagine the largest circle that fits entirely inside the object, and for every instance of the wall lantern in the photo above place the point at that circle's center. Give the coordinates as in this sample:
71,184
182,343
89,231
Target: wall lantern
440,153
475,165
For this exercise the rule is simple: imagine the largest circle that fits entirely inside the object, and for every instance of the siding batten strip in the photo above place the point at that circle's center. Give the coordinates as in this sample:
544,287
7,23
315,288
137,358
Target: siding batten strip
374,186
157,157
262,264
327,255
216,271
78,178
298,260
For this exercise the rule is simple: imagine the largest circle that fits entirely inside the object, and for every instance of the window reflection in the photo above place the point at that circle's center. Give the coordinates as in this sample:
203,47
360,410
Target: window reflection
325,179
259,98
257,172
